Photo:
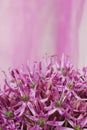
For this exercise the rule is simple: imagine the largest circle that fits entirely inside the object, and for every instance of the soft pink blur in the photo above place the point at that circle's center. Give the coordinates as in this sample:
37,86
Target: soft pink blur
31,28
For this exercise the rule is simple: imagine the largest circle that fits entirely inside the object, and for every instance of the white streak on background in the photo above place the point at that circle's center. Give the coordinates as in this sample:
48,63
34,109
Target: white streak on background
83,39
47,39
5,35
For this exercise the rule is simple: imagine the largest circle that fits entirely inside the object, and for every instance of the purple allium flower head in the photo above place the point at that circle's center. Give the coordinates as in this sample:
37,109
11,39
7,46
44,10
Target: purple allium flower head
50,96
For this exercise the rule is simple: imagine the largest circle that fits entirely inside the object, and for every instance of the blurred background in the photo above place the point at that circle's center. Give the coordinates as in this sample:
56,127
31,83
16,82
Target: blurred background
29,29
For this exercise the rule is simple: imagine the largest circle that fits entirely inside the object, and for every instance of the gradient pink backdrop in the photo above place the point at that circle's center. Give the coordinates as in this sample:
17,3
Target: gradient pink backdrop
31,28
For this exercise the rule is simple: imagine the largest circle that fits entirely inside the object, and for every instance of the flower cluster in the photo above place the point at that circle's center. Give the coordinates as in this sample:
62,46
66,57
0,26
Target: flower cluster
50,96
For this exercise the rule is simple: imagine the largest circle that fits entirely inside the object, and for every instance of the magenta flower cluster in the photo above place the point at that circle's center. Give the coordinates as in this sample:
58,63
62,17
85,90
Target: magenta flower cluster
50,96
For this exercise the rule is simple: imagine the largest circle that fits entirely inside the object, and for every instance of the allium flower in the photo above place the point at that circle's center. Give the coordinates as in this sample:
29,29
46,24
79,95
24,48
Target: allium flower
50,96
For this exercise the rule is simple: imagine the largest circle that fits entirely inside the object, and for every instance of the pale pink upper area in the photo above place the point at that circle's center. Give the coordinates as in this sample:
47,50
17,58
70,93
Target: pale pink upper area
31,28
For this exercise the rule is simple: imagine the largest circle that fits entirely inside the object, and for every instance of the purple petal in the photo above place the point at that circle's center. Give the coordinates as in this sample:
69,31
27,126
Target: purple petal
31,108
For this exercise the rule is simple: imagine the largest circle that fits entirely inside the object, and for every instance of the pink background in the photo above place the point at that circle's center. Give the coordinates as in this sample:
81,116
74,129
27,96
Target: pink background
31,28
